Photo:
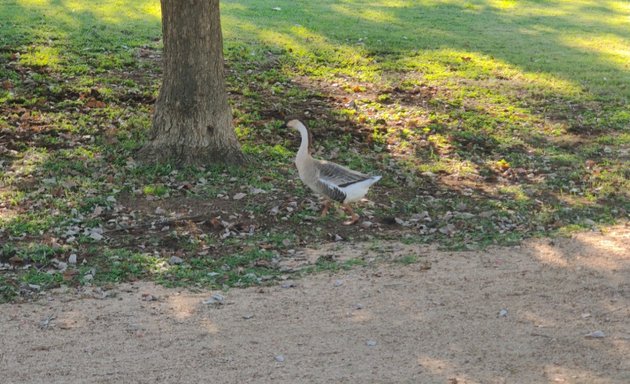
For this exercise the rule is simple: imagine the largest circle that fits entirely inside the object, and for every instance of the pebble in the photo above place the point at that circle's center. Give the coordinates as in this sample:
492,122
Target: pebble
371,343
62,266
595,335
149,297
96,236
215,299
366,224
338,283
174,260
503,313
239,196
279,358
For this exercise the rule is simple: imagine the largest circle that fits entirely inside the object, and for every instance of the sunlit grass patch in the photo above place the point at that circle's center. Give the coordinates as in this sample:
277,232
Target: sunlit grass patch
41,56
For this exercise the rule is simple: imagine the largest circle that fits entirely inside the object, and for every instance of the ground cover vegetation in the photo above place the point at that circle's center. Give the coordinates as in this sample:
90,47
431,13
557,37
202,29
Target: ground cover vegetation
491,121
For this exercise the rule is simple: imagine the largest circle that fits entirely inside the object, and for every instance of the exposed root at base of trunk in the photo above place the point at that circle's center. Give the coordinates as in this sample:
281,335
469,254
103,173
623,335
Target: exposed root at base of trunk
180,155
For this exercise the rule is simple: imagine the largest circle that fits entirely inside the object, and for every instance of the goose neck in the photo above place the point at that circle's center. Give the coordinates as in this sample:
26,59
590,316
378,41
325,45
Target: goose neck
304,145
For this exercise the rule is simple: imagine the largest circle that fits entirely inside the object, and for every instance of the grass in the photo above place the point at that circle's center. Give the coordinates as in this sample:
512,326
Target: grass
491,121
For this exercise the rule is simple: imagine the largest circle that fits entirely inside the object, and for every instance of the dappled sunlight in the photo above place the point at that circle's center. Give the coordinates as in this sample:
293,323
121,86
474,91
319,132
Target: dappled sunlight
108,11
184,306
72,319
361,316
560,373
550,255
435,366
374,15
437,65
113,12
31,161
604,254
503,4
611,48
6,212
307,45
444,369
537,320
41,56
571,199
209,326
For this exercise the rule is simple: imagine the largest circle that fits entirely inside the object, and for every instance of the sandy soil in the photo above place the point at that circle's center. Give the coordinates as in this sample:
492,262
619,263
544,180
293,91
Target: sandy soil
505,315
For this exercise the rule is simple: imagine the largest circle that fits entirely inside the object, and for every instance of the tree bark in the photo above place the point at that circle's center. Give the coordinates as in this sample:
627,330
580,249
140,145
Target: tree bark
192,122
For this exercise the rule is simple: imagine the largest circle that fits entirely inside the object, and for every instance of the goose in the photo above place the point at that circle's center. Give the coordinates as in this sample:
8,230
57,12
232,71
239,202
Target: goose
335,182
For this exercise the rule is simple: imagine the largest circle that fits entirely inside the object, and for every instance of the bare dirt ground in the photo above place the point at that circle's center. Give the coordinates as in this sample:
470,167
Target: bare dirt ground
504,315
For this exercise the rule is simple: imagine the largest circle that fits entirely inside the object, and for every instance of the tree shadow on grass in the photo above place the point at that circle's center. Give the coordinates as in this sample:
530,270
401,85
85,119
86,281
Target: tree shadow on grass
446,129
534,37
535,62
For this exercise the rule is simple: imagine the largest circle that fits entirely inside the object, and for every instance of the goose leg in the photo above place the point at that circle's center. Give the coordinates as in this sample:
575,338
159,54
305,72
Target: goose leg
326,207
353,216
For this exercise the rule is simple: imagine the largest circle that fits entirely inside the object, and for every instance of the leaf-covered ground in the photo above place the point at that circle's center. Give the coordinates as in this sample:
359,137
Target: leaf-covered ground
491,121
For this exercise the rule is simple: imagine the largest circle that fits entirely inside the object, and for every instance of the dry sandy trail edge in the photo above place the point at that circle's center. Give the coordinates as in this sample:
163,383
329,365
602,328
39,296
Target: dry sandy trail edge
435,321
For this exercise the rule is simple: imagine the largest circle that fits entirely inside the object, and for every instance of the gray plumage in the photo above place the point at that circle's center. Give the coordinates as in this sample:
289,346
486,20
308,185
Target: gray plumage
331,180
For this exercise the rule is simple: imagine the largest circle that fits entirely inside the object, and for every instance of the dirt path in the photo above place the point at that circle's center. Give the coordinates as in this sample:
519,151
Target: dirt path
506,315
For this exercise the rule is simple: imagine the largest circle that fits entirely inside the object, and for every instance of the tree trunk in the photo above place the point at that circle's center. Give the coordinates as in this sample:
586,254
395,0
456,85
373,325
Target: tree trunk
192,123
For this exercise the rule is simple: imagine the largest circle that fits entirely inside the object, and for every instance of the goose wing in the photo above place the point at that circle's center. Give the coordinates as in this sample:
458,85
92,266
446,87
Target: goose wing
338,175
331,191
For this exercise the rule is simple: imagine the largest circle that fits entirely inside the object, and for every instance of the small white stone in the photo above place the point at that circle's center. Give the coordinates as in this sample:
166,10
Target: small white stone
174,260
217,298
595,335
96,235
239,196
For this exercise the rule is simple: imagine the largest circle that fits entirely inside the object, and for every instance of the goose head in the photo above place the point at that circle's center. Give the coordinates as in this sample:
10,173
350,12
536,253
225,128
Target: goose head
297,125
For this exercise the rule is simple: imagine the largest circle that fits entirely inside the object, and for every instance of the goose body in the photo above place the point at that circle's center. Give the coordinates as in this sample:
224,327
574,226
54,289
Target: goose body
333,181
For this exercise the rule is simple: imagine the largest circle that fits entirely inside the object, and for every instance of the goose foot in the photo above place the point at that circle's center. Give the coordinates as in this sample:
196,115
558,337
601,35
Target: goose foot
325,209
353,216
352,221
